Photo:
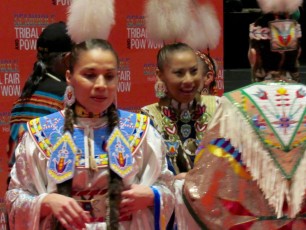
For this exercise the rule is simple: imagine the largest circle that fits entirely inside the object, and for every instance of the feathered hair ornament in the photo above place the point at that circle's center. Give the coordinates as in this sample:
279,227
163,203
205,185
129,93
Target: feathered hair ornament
279,6
167,19
184,20
90,19
205,30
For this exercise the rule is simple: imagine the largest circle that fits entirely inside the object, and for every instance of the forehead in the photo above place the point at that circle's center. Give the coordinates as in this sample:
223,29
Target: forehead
181,58
96,55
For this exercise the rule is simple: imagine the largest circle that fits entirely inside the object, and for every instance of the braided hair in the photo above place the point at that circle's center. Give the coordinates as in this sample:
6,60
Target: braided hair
115,186
44,64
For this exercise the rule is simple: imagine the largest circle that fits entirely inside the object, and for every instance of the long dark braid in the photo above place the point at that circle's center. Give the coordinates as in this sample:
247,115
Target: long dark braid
40,68
65,188
115,182
115,185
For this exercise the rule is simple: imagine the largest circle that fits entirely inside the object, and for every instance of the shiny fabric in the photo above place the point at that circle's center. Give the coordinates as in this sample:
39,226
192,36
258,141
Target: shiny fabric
183,220
30,183
236,182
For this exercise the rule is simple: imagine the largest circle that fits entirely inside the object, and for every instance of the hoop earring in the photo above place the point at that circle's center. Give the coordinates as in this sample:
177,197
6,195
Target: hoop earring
160,89
69,97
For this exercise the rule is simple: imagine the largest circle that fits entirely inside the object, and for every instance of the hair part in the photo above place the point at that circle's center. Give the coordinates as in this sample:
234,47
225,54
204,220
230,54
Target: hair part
166,51
89,45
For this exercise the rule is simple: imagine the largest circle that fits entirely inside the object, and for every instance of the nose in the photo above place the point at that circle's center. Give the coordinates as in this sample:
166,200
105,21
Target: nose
188,79
100,82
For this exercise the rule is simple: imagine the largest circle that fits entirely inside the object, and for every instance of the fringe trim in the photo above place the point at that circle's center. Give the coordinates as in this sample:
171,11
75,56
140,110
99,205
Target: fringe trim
274,185
298,187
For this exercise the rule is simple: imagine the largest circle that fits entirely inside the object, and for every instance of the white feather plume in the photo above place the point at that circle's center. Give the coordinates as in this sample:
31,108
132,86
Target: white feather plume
90,19
277,6
205,29
167,19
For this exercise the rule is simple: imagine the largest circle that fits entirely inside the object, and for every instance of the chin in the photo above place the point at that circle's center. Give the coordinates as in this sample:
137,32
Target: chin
185,100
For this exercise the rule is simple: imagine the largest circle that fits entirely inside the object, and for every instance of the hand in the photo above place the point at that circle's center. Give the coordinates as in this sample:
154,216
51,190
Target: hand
66,210
137,197
180,176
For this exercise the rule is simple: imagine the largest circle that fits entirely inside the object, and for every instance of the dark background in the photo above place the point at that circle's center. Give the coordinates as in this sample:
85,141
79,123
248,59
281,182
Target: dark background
238,14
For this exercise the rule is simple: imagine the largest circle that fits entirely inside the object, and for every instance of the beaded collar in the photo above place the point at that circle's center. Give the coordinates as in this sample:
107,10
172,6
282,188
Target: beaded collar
80,111
183,126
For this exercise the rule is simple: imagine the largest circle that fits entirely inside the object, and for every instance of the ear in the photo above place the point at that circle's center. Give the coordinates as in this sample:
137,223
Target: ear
68,77
158,74
209,78
252,55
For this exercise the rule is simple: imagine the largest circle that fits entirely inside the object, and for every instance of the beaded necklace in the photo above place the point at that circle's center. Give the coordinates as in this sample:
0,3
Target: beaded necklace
80,111
183,126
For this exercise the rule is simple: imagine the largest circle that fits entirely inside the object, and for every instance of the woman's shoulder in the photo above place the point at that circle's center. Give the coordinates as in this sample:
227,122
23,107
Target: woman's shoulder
147,109
211,102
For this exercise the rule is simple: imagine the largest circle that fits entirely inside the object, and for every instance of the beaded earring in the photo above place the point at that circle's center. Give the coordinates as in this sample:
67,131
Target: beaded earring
69,97
160,89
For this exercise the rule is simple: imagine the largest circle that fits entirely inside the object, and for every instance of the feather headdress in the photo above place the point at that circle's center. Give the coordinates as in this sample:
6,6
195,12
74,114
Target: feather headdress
167,19
90,19
184,20
205,29
279,6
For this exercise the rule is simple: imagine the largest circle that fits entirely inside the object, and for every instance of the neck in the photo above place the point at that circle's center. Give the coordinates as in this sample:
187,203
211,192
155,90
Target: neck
80,111
180,106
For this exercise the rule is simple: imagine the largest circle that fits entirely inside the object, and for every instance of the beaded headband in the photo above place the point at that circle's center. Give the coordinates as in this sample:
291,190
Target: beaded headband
209,62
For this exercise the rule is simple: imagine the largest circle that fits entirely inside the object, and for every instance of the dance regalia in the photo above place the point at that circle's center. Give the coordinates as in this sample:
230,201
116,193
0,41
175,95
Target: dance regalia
250,171
182,127
31,180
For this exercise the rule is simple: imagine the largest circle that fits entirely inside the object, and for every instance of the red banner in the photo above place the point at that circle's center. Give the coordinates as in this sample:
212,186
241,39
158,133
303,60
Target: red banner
23,21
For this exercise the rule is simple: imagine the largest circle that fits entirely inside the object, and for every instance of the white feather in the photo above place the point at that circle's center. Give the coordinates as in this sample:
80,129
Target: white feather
90,19
292,5
167,19
195,36
205,30
277,6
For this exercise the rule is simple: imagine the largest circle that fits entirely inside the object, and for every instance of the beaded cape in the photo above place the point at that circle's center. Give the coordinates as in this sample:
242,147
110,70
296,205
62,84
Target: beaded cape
251,168
46,131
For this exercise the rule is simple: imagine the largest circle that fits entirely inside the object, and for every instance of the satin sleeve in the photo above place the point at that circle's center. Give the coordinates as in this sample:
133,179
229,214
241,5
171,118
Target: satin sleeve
154,172
27,187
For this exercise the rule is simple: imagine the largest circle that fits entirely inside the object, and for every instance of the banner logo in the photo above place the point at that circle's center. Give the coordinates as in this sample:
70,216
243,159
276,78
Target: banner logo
9,78
124,74
28,28
137,34
62,2
149,71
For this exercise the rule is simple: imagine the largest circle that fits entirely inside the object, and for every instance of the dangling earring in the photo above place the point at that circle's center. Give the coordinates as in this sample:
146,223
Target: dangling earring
205,91
69,97
160,89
